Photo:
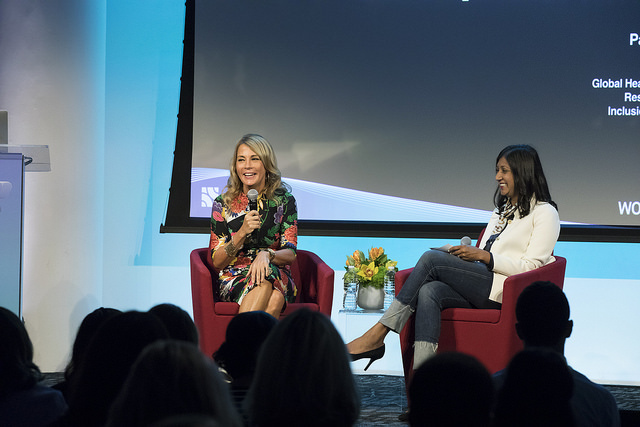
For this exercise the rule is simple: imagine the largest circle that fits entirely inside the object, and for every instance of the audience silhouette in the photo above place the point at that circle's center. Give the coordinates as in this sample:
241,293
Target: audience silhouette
303,377
536,392
177,321
543,320
172,378
452,390
288,373
23,401
238,355
106,363
86,331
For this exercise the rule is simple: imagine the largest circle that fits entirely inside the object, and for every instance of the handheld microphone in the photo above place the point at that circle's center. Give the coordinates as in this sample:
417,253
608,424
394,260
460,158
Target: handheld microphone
252,195
466,240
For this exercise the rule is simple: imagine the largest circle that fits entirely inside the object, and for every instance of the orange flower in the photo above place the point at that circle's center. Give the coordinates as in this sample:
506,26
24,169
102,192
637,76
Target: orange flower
356,258
374,253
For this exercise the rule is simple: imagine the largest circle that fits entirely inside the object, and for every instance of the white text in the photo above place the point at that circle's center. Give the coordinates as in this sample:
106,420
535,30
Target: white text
629,208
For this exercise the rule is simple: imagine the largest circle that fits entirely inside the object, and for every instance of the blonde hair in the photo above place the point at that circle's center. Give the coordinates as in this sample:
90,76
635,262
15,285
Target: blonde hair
264,150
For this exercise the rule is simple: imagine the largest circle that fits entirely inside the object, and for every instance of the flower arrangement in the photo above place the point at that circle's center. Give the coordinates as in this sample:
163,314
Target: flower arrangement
370,271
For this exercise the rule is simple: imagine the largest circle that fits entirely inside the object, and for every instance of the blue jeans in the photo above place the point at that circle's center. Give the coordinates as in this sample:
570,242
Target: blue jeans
438,281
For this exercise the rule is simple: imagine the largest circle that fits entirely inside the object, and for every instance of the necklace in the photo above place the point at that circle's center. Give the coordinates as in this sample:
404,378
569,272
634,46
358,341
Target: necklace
506,216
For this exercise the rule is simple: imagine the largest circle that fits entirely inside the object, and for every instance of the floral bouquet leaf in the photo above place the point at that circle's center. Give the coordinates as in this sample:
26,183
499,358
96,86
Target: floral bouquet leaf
370,270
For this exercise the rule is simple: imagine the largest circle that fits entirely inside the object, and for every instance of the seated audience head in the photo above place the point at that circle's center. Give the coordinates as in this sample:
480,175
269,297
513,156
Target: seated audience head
177,321
86,332
106,363
542,313
537,391
303,376
451,389
246,332
23,400
17,370
172,378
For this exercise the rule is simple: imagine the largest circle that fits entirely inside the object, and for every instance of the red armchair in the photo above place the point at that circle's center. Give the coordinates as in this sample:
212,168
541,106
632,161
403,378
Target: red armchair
313,279
488,335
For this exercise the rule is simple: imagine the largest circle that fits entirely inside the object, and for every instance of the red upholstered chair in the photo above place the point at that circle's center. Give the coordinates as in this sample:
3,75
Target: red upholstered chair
313,278
488,335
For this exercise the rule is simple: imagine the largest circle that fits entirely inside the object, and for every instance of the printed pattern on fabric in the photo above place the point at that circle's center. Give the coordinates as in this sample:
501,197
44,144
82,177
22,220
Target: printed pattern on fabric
278,230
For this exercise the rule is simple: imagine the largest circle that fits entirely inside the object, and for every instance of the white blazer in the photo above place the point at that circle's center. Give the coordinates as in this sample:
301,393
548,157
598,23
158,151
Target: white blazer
525,244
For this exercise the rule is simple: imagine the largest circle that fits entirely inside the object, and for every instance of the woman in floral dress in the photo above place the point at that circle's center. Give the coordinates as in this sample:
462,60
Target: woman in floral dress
253,249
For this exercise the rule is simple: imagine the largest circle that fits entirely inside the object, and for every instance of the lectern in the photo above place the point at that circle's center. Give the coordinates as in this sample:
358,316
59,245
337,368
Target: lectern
14,161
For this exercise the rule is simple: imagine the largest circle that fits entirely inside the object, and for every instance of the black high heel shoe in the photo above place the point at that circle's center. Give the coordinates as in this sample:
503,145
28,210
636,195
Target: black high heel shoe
372,355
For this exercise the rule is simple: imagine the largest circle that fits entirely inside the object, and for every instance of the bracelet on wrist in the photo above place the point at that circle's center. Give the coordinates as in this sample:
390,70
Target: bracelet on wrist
230,249
272,254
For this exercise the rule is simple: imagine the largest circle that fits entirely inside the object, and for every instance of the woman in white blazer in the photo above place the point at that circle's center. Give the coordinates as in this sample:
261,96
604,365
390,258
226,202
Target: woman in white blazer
519,237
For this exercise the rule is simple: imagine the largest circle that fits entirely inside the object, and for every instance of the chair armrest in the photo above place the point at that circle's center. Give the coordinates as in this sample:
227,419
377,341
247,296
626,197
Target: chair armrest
552,272
317,280
202,294
325,276
515,284
401,277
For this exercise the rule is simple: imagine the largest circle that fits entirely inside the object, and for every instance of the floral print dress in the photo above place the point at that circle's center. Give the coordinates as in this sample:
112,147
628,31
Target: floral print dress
278,230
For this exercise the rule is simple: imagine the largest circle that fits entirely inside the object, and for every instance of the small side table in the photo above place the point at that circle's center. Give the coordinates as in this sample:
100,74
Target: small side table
352,324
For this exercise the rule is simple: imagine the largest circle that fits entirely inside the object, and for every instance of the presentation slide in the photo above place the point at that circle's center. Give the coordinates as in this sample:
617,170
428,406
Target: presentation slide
384,110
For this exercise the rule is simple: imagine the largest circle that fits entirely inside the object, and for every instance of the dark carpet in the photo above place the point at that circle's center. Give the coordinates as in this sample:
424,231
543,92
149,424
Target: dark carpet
384,398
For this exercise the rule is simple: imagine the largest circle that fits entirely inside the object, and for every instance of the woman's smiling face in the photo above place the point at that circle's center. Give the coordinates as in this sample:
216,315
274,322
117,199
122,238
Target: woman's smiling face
505,179
250,169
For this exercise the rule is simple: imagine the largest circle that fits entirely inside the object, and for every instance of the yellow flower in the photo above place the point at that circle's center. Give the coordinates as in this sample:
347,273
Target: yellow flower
391,264
374,253
368,271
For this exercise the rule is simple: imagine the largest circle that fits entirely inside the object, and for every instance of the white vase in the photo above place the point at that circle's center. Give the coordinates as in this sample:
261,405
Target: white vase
370,298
